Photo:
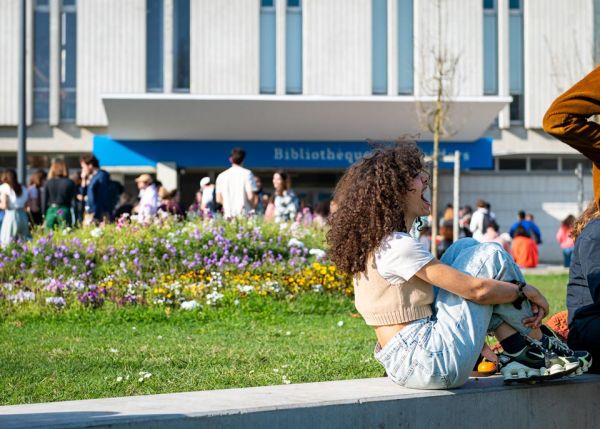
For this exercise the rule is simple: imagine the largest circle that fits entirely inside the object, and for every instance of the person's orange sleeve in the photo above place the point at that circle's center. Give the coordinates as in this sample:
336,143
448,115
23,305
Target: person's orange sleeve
567,119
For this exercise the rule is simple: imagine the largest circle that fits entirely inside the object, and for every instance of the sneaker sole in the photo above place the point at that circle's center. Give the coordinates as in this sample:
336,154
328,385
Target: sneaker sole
525,374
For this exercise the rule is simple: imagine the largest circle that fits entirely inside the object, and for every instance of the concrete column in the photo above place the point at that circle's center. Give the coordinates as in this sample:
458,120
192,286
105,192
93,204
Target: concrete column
280,18
166,173
392,45
168,46
54,109
503,61
29,61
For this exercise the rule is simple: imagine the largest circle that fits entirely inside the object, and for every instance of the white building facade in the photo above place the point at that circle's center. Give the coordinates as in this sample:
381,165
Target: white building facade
169,86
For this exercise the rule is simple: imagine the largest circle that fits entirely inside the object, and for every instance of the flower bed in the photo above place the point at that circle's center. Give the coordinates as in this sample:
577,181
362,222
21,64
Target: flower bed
187,265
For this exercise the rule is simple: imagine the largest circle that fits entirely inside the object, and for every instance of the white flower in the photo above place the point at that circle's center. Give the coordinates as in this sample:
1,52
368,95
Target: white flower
317,288
96,232
288,333
133,328
159,337
112,350
119,379
245,288
213,297
318,253
59,301
236,302
141,379
189,305
275,369
340,323
22,296
294,242
286,381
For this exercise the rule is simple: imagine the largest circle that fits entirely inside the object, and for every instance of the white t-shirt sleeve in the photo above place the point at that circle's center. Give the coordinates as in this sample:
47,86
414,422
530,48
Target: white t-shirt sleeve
400,257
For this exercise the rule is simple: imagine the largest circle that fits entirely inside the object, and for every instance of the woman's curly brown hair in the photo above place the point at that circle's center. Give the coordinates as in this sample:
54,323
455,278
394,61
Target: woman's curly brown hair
589,214
369,204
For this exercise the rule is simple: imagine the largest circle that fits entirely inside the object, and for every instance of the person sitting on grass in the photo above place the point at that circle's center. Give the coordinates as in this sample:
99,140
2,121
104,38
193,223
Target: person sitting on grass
431,338
523,249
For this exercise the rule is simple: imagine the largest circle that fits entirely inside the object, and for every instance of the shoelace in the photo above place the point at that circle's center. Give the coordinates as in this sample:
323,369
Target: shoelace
539,345
554,342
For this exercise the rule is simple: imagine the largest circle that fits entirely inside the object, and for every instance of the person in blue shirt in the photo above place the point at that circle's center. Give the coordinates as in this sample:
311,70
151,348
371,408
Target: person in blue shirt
583,290
97,206
526,221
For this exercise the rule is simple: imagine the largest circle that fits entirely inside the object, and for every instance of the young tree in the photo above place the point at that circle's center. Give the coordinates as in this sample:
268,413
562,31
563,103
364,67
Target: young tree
434,116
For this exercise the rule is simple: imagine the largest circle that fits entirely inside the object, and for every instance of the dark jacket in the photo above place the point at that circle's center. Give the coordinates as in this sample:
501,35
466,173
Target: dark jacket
98,198
583,291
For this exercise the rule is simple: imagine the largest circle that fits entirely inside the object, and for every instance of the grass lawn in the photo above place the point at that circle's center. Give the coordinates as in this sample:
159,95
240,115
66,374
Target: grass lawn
122,352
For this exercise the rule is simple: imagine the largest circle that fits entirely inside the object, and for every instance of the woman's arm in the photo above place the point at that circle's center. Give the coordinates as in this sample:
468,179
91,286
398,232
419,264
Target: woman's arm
479,290
3,201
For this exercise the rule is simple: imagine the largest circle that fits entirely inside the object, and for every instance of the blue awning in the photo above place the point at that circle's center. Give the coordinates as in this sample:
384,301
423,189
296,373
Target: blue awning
268,154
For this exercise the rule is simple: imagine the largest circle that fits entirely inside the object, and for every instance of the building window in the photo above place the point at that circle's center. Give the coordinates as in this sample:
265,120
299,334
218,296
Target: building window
154,45
570,164
512,164
548,164
293,47
516,60
379,46
405,47
490,47
268,39
68,64
181,45
41,61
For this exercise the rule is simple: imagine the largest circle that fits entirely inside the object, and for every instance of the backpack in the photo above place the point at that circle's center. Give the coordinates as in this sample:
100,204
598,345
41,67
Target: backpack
487,220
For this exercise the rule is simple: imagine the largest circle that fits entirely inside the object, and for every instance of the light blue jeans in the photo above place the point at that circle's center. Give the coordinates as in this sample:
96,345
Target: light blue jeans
440,352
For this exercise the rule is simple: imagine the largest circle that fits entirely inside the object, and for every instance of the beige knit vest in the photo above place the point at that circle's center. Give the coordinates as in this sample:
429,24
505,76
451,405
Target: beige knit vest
382,303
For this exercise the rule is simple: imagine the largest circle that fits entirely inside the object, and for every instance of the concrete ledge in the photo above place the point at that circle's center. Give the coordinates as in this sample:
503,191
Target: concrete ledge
339,404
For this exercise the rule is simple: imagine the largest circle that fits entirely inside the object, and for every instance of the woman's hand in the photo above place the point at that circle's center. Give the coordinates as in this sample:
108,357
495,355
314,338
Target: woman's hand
539,307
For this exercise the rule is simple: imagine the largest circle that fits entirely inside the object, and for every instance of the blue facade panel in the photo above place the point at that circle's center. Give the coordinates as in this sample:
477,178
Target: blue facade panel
268,154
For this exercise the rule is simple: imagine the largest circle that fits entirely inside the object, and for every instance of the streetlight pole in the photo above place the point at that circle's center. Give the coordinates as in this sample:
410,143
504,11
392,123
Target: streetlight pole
22,129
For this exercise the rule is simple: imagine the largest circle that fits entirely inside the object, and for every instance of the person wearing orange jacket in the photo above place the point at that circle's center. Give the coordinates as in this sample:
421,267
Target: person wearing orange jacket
568,120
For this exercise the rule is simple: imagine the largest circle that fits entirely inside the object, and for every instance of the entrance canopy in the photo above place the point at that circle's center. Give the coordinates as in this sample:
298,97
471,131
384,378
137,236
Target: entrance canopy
292,118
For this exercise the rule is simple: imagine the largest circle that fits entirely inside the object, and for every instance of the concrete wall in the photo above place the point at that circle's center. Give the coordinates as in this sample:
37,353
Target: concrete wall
224,46
461,24
111,54
337,47
555,30
9,66
367,403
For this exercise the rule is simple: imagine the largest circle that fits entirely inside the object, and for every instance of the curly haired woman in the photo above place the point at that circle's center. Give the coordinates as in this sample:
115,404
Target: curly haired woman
430,338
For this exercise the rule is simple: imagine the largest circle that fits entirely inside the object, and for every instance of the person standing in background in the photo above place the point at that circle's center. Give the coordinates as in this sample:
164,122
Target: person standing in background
480,220
148,204
236,187
34,189
284,199
78,206
565,240
97,207
13,200
526,221
59,194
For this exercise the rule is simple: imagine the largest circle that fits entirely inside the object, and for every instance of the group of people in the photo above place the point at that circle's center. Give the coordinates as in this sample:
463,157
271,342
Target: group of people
238,192
521,241
90,196
431,316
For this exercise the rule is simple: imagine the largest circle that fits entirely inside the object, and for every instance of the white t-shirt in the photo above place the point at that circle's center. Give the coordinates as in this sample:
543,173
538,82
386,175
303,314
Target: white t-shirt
234,184
14,202
400,256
